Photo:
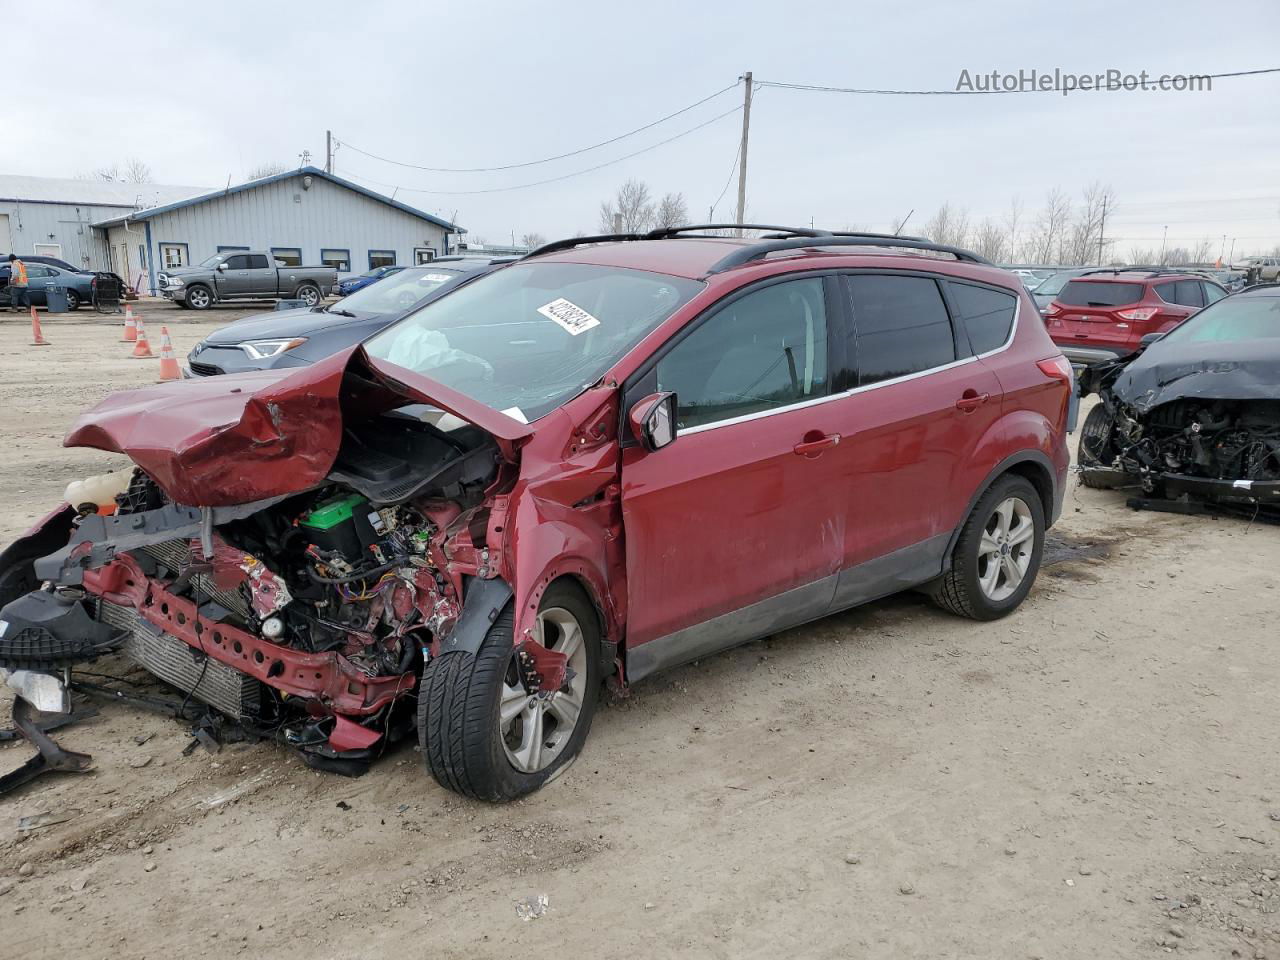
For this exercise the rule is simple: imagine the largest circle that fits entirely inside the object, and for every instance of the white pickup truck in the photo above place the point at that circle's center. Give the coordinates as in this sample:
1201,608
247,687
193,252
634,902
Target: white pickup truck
244,275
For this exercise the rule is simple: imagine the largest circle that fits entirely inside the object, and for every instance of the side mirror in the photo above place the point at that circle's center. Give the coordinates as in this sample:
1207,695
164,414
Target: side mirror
653,420
222,265
1149,339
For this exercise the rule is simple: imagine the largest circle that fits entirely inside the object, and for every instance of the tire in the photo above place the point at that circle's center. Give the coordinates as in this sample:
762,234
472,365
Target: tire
460,730
1096,447
199,297
966,589
309,293
73,300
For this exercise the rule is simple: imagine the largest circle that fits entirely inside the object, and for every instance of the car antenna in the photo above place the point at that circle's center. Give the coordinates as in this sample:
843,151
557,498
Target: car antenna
904,221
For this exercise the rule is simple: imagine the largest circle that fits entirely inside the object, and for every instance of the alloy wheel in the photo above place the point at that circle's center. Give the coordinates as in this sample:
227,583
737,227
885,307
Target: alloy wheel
1004,552
536,727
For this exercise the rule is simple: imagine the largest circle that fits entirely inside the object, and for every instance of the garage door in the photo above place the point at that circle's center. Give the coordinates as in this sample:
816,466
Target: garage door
6,240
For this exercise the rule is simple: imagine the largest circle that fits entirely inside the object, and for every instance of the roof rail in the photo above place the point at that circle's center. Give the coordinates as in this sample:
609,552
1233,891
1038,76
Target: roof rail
758,251
570,242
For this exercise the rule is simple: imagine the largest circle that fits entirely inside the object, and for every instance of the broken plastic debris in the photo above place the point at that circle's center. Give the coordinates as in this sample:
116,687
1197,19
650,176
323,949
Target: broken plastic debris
531,908
46,819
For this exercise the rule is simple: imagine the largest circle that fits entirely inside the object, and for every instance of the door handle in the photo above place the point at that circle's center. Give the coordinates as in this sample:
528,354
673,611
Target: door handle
971,400
815,446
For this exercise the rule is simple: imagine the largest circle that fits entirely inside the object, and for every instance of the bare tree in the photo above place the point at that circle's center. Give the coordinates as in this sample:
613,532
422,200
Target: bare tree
1080,244
633,203
532,240
269,168
990,240
1049,233
137,171
671,211
1012,222
948,226
108,172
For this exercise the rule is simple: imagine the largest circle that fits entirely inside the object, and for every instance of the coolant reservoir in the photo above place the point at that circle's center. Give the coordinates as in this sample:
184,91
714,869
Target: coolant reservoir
100,490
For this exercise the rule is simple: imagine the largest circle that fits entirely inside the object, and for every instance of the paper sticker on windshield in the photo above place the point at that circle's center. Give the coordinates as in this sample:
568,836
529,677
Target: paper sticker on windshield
569,315
437,277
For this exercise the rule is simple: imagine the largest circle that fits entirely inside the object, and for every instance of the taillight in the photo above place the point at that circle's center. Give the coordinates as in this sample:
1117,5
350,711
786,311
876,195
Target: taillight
1138,313
1052,310
1059,368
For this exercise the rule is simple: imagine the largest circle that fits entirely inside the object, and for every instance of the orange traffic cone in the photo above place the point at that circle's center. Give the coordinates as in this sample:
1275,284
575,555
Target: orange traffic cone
141,348
168,362
130,327
37,336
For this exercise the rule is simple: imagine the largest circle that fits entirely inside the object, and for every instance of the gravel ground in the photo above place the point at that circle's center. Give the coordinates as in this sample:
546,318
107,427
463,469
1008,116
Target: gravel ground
1085,778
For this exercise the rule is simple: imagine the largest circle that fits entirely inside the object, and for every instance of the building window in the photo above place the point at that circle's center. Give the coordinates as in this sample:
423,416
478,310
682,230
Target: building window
173,255
381,258
423,255
287,256
229,248
340,260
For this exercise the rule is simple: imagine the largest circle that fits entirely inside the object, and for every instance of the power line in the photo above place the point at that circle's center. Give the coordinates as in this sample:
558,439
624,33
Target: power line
566,176
875,91
732,170
534,163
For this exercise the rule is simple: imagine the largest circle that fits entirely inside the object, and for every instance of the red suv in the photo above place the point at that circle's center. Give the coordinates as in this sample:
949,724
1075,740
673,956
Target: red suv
613,457
1105,314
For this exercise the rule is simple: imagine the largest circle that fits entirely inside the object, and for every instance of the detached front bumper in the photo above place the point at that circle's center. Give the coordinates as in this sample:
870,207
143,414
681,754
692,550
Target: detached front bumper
1175,485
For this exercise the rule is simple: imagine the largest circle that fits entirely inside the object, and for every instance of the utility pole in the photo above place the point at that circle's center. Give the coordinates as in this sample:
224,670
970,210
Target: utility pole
1222,250
328,151
617,223
1102,228
742,151
1232,255
1164,242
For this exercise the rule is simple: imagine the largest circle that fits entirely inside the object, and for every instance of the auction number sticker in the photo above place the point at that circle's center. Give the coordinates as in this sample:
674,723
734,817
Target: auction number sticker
569,315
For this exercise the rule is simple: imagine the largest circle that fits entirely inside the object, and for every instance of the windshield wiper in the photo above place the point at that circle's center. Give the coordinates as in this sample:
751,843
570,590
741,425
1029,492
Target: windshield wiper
340,312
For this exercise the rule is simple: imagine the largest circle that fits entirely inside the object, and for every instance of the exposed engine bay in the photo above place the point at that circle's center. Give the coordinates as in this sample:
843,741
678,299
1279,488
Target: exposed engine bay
305,616
1160,427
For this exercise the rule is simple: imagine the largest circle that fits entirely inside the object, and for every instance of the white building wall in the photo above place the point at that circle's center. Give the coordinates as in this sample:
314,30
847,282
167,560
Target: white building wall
284,214
66,225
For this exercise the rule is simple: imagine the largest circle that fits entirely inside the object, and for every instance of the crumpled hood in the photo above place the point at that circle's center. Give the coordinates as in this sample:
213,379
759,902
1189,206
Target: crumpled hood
1243,370
279,325
238,438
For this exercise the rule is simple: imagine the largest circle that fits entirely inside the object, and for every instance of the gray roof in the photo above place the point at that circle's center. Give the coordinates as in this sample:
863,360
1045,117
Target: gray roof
91,193
300,172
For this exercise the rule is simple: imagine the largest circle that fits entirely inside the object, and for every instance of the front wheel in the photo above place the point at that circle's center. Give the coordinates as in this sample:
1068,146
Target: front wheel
309,294
483,732
997,556
199,298
1097,442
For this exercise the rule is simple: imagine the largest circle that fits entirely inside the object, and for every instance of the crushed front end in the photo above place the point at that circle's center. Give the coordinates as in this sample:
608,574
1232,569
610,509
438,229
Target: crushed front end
1197,432
303,614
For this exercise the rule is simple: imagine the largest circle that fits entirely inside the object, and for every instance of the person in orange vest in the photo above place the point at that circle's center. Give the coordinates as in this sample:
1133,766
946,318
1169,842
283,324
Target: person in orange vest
17,284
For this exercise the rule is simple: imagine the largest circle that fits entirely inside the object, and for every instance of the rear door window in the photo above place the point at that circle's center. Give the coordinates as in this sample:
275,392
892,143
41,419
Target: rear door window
986,313
257,261
764,351
1099,293
901,326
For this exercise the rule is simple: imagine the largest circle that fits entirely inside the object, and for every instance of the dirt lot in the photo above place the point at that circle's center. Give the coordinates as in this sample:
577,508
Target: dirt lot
1092,777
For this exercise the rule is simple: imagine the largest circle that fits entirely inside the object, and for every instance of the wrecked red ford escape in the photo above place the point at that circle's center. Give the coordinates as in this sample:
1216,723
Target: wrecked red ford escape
615,456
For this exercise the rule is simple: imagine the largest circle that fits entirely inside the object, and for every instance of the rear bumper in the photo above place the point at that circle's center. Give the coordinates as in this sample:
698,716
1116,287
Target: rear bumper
1262,492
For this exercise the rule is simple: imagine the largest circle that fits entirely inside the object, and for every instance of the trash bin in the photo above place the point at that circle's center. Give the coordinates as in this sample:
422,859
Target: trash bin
55,298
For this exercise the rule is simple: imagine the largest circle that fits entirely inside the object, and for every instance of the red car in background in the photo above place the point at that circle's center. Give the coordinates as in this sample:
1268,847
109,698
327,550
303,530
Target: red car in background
613,457
1105,314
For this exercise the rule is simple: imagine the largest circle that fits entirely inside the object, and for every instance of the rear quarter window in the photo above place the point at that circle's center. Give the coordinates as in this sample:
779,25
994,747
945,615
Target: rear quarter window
1099,293
987,314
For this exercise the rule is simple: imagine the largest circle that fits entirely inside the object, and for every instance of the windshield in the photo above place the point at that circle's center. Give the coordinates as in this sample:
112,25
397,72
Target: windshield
1053,286
400,291
1231,320
532,336
213,261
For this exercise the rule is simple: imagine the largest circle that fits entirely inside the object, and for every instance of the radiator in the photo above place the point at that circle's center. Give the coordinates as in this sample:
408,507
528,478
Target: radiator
220,686
176,554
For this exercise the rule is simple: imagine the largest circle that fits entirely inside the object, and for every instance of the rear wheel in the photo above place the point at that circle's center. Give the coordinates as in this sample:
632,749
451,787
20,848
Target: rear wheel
997,556
1097,446
482,732
309,294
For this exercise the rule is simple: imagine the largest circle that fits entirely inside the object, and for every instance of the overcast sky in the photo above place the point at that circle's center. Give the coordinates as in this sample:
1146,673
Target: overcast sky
203,93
